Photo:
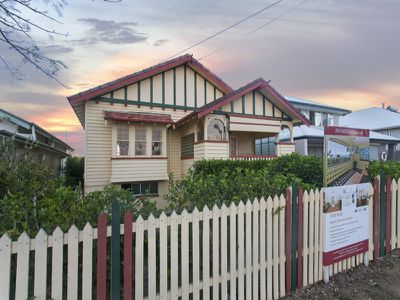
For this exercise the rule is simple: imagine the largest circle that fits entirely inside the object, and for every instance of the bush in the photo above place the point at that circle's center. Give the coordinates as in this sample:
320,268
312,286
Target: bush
212,182
389,168
74,168
32,198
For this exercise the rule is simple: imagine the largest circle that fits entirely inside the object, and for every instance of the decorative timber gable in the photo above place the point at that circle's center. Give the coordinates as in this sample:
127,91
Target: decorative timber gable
178,88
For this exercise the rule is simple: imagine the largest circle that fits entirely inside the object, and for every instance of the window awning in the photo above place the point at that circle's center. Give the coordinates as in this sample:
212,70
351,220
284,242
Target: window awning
137,117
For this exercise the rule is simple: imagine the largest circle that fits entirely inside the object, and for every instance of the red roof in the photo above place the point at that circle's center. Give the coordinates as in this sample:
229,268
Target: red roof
137,117
154,70
256,84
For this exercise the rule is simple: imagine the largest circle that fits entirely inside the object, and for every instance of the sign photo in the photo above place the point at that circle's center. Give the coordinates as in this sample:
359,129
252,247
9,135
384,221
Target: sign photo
346,156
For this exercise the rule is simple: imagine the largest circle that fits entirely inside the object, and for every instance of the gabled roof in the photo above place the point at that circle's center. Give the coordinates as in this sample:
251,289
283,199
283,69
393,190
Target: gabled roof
151,71
137,117
259,83
374,118
312,104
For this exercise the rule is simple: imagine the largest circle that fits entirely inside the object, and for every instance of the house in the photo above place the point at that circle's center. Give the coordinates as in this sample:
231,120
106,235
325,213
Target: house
49,149
309,139
141,127
381,120
318,114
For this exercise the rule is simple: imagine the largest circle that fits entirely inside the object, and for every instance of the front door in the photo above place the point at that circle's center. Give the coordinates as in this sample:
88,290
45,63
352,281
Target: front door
232,145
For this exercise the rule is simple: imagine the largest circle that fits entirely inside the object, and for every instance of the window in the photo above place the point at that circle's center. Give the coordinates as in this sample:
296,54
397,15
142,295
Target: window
216,130
156,144
140,140
122,140
265,146
141,188
187,146
318,119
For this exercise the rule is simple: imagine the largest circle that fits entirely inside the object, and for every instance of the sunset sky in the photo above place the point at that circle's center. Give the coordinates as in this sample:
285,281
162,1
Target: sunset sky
342,53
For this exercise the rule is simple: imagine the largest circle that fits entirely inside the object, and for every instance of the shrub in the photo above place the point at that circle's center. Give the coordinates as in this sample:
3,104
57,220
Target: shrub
212,182
32,198
390,168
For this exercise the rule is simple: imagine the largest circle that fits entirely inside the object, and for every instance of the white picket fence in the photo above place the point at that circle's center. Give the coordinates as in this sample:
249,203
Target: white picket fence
228,252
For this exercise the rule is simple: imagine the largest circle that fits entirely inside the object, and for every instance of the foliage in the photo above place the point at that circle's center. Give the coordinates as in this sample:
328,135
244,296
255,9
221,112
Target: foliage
74,168
212,182
390,168
32,198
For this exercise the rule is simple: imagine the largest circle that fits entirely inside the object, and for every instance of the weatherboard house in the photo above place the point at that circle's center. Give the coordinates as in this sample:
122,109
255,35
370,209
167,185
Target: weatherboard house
142,127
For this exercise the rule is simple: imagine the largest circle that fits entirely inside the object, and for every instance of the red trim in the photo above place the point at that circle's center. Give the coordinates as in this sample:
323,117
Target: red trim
261,124
334,130
137,117
300,239
376,218
252,156
101,256
288,240
287,105
154,70
138,157
388,214
184,158
334,256
283,143
205,110
253,117
208,141
127,279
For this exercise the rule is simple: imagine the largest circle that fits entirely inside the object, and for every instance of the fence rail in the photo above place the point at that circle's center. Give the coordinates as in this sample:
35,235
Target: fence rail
261,249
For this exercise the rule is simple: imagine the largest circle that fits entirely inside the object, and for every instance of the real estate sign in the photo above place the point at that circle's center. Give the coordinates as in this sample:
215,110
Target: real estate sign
345,207
346,156
345,222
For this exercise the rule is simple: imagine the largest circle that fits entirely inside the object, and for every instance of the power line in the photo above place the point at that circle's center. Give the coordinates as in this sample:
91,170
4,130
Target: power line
225,29
253,31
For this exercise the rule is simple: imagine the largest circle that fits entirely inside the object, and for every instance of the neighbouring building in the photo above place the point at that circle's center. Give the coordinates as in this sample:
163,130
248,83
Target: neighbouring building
309,139
48,148
142,127
381,120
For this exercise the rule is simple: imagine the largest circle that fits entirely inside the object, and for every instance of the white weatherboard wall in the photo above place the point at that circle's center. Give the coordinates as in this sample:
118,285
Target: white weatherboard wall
127,170
254,125
98,136
211,150
285,148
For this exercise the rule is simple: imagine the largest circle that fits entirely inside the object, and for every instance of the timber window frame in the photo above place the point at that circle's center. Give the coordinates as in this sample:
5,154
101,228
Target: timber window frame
122,142
156,141
144,141
140,140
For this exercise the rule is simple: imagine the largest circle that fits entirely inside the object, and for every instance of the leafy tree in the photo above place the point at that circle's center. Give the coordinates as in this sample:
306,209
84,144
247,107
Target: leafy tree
32,198
74,168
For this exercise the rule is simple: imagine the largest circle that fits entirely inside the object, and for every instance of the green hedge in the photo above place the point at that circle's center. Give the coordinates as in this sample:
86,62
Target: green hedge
390,168
212,182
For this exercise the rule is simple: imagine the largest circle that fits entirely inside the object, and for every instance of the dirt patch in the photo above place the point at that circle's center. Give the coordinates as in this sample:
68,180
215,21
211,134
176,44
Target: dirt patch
380,280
